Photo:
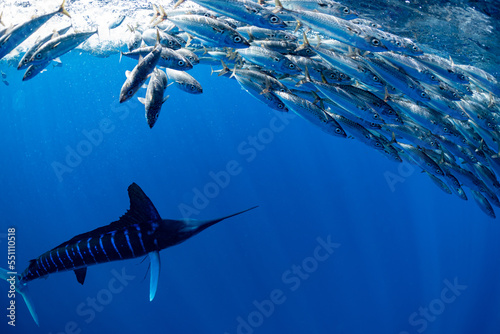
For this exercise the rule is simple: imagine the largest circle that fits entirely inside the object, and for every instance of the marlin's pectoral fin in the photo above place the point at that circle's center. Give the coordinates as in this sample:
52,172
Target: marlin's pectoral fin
155,273
81,274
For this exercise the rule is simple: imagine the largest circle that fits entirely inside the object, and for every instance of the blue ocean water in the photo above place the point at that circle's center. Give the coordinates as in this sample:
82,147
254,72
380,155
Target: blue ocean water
343,241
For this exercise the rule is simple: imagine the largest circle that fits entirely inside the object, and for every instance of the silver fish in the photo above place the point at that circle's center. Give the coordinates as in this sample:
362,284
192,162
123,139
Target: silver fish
421,159
33,70
359,132
394,43
169,58
58,46
412,67
325,6
256,33
245,11
24,62
441,184
351,67
312,113
9,41
340,30
140,73
265,81
135,40
286,47
167,40
398,79
269,59
189,55
444,68
116,23
349,102
184,81
259,92
154,96
212,30
481,78
483,204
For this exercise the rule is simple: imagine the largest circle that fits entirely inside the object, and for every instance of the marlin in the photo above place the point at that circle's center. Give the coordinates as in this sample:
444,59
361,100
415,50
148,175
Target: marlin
140,231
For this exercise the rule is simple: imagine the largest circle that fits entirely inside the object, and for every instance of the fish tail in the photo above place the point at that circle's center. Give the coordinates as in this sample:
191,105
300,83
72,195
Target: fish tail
63,10
177,4
279,7
21,289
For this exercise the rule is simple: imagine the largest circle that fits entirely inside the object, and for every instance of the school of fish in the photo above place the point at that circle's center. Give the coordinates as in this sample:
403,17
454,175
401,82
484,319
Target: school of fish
321,60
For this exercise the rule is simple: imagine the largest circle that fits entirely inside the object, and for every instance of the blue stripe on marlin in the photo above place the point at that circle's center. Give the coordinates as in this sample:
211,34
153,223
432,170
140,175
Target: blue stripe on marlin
140,231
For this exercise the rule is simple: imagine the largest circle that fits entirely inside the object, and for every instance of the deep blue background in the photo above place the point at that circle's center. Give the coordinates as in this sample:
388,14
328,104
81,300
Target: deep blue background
396,247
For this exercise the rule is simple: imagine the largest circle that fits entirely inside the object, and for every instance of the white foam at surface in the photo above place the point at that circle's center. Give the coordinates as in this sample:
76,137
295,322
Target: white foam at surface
85,16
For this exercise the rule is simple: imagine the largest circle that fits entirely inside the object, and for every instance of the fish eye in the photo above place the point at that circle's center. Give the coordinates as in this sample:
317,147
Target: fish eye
455,95
346,10
445,130
378,144
337,130
375,78
28,73
181,62
415,48
375,116
439,171
281,105
398,44
170,43
462,77
287,37
291,66
38,55
276,59
274,19
237,39
375,42
130,92
192,87
423,94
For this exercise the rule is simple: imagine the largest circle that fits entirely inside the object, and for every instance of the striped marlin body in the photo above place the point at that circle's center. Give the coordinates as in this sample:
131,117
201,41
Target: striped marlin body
140,231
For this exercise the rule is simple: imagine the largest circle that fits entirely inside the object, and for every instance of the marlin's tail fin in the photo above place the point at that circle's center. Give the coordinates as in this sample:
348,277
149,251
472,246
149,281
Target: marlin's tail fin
21,289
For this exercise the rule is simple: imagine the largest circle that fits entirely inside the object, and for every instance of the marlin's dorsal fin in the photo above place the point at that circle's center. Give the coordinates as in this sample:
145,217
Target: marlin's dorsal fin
141,210
81,274
141,206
